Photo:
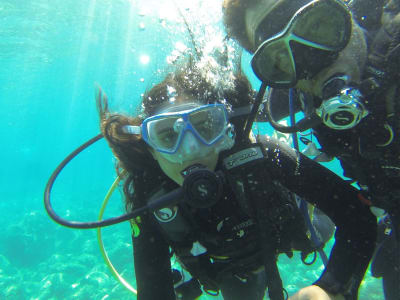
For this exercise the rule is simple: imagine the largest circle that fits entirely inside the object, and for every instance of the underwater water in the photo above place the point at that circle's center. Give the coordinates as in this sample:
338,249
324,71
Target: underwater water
52,53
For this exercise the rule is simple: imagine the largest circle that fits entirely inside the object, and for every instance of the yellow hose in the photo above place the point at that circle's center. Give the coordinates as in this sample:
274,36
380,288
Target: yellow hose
100,241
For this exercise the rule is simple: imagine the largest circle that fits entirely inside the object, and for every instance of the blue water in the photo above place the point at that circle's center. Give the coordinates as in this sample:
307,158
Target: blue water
52,53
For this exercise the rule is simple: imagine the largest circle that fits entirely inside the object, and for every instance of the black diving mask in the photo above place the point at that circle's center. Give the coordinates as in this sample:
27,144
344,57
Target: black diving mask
309,42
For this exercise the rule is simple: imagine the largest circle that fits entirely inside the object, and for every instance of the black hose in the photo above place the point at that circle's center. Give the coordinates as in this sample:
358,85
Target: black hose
168,199
254,110
306,123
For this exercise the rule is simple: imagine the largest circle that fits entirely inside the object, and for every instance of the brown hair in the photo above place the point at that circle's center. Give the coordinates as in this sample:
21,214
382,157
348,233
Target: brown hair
234,20
132,152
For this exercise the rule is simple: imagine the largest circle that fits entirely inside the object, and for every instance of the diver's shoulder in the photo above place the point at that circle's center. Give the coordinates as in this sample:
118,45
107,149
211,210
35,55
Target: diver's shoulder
270,142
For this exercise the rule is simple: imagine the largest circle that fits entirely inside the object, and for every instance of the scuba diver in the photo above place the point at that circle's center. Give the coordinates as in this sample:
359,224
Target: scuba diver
340,60
235,216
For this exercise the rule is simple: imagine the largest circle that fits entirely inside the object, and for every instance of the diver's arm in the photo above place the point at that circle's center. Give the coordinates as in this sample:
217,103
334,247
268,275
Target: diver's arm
152,264
355,225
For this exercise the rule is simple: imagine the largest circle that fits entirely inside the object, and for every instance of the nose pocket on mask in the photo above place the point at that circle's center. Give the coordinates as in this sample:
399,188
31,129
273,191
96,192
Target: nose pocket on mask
189,143
179,125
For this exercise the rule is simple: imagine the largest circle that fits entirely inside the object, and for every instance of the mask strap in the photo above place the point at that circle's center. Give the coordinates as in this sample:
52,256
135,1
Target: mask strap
130,129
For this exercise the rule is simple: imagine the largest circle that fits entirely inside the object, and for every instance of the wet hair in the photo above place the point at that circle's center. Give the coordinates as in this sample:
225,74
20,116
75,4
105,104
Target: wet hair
189,80
234,20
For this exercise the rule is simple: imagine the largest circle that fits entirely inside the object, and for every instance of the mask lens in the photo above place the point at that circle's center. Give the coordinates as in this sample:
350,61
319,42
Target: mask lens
163,132
209,123
273,63
324,23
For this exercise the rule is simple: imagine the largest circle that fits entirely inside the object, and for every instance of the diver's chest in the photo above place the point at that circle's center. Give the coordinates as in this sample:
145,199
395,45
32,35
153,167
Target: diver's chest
223,222
226,219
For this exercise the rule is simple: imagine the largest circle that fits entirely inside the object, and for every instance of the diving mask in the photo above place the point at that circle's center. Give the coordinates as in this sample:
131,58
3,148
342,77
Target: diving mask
310,41
188,132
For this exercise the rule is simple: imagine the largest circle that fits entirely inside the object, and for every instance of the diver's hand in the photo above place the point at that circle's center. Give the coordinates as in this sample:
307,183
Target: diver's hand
314,292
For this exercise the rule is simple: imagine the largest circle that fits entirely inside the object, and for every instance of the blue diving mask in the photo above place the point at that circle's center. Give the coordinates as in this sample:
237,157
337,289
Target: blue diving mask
187,132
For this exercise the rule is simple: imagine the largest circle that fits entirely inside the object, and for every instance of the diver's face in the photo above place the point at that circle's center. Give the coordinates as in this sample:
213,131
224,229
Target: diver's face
351,61
173,170
192,152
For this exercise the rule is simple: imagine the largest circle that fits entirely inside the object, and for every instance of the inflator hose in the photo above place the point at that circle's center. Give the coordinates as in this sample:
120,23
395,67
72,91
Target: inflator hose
254,110
303,205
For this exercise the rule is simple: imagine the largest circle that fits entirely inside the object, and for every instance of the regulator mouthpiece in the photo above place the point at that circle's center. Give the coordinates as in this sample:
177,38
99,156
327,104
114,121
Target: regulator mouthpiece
202,187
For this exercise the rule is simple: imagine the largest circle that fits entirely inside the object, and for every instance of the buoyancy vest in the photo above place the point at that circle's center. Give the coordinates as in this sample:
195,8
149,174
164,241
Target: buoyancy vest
229,237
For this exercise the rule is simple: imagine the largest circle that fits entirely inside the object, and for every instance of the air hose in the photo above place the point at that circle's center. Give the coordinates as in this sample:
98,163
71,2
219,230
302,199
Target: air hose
303,204
100,241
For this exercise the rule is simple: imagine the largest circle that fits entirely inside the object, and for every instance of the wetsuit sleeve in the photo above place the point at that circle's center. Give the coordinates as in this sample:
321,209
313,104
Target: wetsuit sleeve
355,225
152,263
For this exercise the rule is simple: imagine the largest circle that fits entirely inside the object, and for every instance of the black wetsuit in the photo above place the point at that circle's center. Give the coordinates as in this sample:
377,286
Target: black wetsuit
354,238
378,169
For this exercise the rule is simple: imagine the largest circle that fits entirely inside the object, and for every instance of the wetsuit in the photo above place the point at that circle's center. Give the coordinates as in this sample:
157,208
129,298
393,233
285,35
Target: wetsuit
386,259
233,233
369,153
